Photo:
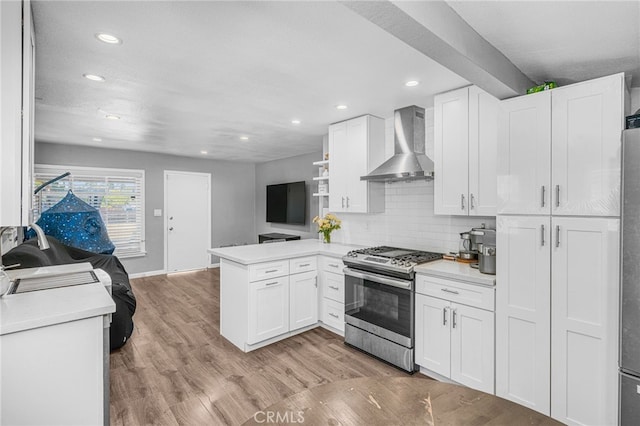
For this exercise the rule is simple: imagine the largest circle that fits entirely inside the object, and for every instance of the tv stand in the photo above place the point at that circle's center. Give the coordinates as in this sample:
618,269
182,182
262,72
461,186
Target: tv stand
276,236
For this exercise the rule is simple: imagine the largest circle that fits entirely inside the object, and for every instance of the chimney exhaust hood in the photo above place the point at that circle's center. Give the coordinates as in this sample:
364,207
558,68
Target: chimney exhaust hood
409,161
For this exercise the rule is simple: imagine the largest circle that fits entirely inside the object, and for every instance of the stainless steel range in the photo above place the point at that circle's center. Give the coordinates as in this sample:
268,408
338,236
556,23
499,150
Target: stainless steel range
379,302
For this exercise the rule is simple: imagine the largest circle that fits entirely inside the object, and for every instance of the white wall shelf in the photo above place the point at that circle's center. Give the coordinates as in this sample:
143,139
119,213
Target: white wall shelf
321,177
320,163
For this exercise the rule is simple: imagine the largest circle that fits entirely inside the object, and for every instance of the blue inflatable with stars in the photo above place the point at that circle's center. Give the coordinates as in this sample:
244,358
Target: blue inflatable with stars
75,223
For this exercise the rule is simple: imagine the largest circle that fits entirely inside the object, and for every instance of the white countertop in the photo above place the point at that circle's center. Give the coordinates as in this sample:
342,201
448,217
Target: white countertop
25,311
456,271
257,253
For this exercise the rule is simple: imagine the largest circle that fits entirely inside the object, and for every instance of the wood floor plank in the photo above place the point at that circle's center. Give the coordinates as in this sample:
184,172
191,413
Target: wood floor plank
178,370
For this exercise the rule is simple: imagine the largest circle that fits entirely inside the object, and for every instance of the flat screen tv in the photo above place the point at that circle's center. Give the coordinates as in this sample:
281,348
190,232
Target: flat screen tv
286,203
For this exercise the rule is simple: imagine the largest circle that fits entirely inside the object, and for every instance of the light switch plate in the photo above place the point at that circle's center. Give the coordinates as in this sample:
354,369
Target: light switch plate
157,212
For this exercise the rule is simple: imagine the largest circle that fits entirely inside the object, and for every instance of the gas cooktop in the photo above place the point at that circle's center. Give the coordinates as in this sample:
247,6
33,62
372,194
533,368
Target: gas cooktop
389,259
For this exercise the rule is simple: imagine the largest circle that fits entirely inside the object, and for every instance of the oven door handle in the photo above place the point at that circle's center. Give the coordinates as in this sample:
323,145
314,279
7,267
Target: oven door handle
394,282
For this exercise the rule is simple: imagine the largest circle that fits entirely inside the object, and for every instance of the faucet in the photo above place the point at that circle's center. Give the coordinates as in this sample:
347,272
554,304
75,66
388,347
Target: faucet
42,239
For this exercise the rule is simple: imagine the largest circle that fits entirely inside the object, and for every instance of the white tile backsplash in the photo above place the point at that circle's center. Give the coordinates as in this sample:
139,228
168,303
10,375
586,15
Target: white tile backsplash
408,220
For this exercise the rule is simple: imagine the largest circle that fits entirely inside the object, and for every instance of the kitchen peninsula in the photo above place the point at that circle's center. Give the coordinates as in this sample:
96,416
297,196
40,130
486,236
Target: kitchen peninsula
269,292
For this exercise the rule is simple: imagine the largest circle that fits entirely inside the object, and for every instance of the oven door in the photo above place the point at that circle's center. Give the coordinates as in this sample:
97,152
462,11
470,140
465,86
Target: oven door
380,304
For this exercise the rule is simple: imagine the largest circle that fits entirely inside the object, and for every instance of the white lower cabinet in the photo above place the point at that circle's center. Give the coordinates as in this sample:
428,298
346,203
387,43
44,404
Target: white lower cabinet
303,300
455,340
268,309
332,288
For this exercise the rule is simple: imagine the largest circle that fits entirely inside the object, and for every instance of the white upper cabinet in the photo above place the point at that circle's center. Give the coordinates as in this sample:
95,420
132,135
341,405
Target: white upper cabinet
524,155
16,113
483,151
586,121
451,152
356,147
576,128
465,130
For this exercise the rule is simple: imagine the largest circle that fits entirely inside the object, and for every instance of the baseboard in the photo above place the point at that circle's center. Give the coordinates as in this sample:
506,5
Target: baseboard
147,274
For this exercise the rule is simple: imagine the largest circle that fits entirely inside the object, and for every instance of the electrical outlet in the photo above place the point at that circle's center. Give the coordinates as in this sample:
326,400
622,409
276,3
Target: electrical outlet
157,212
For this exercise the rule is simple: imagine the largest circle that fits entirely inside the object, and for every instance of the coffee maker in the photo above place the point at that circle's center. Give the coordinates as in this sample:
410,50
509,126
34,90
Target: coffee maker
487,253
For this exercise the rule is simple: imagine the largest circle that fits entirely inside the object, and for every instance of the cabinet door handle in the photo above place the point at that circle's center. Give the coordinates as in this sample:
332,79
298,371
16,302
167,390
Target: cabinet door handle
462,201
270,271
557,195
542,200
542,234
446,290
272,283
453,320
471,203
343,202
334,287
333,315
444,316
557,235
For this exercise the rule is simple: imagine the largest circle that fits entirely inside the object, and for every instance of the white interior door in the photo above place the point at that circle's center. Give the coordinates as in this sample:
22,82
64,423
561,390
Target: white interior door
187,220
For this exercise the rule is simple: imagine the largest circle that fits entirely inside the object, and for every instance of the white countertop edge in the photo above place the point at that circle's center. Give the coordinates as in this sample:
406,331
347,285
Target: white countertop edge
456,271
260,253
26,311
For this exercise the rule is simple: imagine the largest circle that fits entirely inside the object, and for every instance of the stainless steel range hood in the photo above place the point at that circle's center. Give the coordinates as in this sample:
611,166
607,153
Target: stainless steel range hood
409,161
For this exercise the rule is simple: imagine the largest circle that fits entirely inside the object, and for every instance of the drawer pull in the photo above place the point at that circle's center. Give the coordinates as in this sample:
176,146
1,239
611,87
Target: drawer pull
271,271
333,265
446,290
333,315
275,282
303,265
333,287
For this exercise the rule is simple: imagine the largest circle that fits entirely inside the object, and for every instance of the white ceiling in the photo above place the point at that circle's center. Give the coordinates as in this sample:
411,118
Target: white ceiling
563,41
194,76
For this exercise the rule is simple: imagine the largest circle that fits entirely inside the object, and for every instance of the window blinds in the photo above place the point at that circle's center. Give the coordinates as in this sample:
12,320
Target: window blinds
117,193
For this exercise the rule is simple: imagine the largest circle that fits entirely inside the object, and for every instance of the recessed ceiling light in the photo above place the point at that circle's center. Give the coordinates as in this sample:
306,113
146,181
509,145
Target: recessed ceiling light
97,139
108,38
112,117
93,77
203,152
244,138
412,83
295,121
341,106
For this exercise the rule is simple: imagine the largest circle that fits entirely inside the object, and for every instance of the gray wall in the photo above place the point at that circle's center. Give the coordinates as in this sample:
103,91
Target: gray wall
292,169
233,193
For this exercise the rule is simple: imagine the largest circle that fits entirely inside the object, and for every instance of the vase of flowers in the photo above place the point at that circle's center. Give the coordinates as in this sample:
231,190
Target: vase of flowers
326,225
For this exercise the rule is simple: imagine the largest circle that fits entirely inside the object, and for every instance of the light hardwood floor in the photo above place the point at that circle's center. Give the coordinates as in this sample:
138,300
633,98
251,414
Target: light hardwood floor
177,369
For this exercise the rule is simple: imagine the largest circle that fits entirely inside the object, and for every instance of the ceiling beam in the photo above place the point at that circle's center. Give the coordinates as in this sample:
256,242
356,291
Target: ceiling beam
437,31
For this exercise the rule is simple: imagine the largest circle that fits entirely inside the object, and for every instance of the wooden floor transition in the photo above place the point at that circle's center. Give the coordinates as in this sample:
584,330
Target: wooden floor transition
177,370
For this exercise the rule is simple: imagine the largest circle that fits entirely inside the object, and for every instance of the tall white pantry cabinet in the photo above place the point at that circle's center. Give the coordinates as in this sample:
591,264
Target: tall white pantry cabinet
558,233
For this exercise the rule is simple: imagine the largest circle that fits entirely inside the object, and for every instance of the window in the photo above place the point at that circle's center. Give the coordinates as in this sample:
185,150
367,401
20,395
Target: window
117,193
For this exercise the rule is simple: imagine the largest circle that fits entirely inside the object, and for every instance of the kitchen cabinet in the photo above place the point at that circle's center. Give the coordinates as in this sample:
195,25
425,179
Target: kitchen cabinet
523,311
268,309
303,300
267,301
576,128
557,312
16,112
455,331
584,320
356,146
332,289
465,130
